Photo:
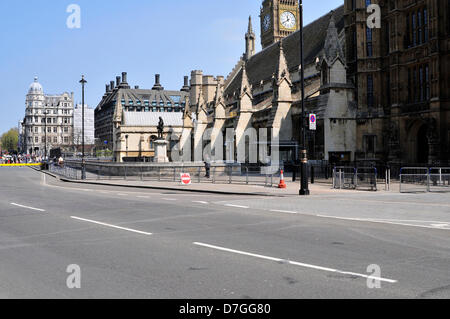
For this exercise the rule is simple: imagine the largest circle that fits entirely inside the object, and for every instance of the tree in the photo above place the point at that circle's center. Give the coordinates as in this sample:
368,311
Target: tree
10,140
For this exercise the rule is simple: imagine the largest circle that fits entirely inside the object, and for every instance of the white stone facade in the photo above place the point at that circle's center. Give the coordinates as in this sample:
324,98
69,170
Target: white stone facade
53,113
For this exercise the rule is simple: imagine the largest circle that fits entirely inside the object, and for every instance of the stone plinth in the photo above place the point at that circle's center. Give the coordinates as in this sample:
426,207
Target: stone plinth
161,151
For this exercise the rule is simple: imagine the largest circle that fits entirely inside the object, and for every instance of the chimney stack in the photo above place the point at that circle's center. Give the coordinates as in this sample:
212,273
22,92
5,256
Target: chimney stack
107,88
124,77
186,87
111,85
118,81
157,85
136,87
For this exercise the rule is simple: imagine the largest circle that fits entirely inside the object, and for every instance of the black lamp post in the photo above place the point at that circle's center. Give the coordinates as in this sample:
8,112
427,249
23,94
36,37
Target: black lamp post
83,164
304,190
45,137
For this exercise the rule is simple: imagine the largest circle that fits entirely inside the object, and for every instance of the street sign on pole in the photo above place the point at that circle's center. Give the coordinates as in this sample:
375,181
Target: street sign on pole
186,179
312,122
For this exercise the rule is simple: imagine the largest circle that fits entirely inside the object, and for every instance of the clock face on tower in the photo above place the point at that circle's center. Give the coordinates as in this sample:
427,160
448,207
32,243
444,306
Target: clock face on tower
266,23
288,20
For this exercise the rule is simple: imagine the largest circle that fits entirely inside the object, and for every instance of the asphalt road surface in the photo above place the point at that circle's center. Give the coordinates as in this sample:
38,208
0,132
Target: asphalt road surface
133,243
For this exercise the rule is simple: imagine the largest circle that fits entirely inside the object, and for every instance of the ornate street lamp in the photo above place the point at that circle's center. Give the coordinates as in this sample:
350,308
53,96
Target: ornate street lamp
304,190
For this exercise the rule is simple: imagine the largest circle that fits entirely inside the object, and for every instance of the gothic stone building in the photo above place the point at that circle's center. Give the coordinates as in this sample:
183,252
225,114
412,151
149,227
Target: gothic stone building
263,90
51,112
126,119
402,75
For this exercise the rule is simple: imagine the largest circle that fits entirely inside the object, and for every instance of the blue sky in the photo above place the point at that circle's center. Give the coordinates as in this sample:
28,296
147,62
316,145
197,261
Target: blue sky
141,37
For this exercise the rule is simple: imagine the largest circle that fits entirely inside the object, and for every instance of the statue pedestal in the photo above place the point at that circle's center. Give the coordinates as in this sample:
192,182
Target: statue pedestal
161,151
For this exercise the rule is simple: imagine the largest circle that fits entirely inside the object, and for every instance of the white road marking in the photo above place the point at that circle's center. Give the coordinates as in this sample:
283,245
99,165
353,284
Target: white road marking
390,202
112,226
236,206
411,220
200,202
294,263
440,225
382,222
143,196
28,207
120,194
282,211
170,199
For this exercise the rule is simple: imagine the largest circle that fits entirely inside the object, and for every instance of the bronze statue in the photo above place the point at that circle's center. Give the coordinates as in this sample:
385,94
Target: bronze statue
160,128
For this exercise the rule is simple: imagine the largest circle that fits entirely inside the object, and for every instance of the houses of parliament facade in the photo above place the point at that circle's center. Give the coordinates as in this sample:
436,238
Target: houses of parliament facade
401,74
382,95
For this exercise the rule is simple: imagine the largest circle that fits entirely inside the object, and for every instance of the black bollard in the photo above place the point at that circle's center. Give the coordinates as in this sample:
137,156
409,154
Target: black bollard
312,174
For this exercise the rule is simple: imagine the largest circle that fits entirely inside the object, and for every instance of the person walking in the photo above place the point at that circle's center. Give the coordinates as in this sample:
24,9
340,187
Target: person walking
208,168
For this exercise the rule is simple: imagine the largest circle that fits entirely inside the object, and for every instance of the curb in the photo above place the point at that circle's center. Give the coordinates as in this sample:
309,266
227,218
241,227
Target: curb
66,180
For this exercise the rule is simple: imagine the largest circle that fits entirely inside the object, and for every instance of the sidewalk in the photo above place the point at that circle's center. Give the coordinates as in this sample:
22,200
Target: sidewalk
320,188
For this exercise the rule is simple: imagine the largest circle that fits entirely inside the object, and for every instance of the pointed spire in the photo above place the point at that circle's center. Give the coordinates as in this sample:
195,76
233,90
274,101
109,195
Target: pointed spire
219,93
250,27
201,100
332,48
250,39
332,21
282,70
187,109
245,84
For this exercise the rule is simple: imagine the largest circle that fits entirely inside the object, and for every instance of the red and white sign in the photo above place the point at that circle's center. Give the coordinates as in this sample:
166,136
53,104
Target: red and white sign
312,122
186,179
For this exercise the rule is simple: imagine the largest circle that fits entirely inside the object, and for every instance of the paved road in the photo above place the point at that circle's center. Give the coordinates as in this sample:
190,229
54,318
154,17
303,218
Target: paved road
149,244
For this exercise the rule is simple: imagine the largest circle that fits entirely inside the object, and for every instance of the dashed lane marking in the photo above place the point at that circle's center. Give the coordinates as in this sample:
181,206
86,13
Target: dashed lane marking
28,207
237,206
431,226
112,226
295,263
283,211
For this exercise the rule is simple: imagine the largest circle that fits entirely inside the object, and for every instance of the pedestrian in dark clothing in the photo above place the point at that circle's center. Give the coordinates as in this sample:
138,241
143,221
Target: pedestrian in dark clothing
208,169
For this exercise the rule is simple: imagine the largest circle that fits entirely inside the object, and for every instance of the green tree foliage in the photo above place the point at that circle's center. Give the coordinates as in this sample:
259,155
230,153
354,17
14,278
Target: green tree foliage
10,140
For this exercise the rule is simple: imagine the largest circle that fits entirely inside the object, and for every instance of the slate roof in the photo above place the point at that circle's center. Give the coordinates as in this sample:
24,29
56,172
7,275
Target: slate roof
145,95
142,119
263,65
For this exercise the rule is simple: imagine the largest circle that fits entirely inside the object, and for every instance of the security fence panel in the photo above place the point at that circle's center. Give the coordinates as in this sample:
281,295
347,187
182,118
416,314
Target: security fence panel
439,179
366,178
414,180
65,171
229,173
344,177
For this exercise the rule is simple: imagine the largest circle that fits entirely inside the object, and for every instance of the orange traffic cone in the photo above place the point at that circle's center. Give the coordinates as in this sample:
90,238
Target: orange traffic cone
282,184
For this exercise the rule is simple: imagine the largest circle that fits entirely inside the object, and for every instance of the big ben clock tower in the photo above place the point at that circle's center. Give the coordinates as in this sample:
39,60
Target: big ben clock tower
279,18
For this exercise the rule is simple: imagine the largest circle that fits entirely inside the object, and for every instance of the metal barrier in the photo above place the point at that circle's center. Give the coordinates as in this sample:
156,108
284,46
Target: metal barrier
366,177
439,179
220,173
344,177
414,180
65,171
